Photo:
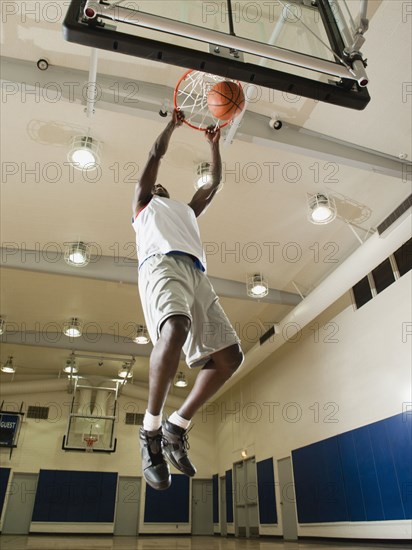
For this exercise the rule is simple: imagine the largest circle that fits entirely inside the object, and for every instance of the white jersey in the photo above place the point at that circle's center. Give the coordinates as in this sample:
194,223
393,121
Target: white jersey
165,226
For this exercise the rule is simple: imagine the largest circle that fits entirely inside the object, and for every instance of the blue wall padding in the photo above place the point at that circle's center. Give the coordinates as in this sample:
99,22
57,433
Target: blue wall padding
169,506
72,496
4,480
266,491
361,475
229,497
215,482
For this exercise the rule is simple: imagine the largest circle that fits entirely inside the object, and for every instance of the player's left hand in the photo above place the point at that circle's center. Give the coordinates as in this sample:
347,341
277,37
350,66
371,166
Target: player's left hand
212,134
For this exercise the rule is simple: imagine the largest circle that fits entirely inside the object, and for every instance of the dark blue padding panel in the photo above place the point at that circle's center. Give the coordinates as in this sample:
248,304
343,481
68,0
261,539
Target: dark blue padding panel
266,492
361,475
229,496
169,506
72,496
215,484
4,480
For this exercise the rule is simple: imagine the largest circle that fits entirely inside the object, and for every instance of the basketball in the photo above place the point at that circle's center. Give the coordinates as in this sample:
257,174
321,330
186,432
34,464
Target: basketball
226,100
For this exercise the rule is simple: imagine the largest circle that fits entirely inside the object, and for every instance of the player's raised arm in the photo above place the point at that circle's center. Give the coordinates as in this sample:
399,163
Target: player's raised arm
148,176
205,194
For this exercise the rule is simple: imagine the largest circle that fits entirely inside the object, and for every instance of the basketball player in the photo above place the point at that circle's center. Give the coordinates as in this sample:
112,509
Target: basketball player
180,307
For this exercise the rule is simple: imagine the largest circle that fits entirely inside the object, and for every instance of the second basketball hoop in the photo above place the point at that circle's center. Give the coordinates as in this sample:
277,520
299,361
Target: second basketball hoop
199,96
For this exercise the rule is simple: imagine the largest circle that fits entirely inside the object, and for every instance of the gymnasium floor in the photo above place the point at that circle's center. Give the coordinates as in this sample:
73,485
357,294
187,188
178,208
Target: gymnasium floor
36,542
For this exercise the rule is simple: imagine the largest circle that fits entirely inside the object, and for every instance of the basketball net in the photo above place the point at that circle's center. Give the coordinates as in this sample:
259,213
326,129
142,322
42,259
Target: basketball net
190,96
90,440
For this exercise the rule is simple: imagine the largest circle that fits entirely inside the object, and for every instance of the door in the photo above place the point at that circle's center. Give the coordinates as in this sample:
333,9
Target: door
202,507
239,482
127,507
246,499
287,500
19,511
251,499
222,507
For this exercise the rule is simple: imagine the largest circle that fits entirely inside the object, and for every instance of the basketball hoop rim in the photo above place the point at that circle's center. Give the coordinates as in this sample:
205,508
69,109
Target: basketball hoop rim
90,441
176,106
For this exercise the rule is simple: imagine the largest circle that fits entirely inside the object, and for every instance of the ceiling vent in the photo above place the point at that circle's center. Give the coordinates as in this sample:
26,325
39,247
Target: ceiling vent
396,214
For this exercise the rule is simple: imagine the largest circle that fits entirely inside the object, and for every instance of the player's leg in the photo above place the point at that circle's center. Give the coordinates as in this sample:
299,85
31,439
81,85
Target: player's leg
167,313
211,378
164,361
212,342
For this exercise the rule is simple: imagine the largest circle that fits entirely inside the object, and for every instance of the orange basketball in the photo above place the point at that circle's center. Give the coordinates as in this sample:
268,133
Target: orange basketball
226,100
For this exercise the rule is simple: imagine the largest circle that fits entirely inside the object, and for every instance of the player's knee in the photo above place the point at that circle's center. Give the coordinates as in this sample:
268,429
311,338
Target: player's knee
176,329
234,359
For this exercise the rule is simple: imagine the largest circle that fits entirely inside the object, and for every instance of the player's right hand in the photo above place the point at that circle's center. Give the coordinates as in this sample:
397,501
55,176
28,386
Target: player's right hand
178,117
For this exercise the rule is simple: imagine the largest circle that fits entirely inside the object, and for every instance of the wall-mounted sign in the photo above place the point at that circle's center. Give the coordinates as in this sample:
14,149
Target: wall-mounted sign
9,429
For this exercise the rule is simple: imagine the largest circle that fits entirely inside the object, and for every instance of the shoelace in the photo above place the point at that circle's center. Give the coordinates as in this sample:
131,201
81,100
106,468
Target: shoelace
185,439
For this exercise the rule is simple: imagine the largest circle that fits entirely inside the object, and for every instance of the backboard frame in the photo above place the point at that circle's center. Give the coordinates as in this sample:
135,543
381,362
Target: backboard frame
96,33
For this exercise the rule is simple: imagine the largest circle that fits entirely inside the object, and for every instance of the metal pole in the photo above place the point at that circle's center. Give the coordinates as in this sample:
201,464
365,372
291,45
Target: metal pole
91,88
363,9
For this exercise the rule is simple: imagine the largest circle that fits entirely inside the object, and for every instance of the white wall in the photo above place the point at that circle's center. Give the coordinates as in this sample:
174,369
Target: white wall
356,369
40,441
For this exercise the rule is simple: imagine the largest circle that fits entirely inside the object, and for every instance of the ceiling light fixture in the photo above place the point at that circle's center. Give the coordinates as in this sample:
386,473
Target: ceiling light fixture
125,371
77,254
70,368
84,153
257,286
8,366
180,381
321,209
203,175
72,328
142,336
2,325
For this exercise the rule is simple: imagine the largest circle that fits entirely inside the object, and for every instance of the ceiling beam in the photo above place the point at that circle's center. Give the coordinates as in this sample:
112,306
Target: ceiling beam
121,270
96,343
145,99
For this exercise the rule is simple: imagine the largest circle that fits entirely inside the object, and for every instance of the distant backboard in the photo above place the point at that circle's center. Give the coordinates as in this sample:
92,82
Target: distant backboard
308,48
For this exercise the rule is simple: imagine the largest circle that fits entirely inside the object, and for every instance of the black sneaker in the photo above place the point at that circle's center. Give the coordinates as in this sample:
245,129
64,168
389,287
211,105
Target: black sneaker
175,448
155,468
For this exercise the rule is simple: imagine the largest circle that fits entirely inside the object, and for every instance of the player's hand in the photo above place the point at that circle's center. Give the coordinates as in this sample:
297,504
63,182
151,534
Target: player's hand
178,117
212,134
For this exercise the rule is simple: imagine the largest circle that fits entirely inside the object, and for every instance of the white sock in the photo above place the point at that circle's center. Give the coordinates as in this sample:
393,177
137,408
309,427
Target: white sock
178,420
151,422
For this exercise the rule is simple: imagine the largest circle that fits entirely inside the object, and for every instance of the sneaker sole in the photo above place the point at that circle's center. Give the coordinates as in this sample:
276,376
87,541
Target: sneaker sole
173,462
161,486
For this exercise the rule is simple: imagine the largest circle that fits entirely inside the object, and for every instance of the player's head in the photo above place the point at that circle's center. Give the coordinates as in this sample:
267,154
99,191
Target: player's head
160,191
